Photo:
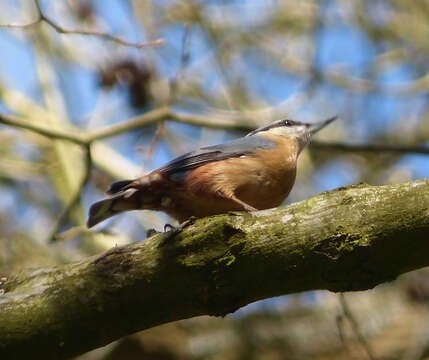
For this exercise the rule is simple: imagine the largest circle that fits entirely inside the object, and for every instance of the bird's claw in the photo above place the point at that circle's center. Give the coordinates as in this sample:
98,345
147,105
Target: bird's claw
173,230
169,227
151,232
188,222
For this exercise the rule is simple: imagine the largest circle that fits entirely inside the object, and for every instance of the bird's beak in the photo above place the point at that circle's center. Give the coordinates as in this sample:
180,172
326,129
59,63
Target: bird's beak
314,128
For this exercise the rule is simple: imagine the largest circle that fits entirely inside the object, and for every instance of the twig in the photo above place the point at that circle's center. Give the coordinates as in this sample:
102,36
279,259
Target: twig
61,30
184,59
339,320
148,118
350,317
15,25
17,122
338,76
218,50
76,198
160,131
219,122
336,146
166,113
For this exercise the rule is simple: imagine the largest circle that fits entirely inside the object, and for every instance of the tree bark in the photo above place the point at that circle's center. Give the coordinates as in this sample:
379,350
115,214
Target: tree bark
351,238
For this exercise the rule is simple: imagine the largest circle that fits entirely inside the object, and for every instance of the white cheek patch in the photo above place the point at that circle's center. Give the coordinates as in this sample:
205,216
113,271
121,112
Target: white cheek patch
298,131
129,192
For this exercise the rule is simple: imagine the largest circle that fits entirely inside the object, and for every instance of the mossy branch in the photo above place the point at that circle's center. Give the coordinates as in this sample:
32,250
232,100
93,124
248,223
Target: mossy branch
349,239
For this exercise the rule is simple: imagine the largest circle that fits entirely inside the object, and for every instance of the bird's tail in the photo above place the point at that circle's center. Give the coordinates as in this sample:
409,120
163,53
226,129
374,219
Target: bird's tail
124,198
143,193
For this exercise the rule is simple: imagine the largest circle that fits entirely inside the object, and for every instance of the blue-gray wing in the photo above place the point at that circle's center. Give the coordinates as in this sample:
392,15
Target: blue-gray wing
235,148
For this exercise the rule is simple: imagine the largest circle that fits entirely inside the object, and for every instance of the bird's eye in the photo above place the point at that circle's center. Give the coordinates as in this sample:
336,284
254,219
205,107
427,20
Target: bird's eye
287,123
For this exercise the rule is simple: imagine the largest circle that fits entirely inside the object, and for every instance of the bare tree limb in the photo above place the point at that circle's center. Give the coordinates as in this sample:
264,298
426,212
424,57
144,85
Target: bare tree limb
348,239
17,122
62,218
348,314
41,17
184,59
336,146
209,121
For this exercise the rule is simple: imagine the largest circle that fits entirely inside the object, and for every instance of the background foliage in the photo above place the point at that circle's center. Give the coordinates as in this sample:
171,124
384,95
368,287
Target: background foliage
220,68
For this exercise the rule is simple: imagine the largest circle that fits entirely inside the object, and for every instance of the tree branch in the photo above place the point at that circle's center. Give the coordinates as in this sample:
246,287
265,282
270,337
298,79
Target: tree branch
41,17
377,148
355,326
348,239
213,122
17,122
75,200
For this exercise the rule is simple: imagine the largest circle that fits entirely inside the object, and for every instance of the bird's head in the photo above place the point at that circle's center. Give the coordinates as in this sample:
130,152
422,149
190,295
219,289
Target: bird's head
302,132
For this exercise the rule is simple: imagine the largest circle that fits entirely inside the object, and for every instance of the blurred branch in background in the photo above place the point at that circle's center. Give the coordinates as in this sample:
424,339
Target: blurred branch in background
184,60
375,148
348,314
77,197
224,69
41,17
214,122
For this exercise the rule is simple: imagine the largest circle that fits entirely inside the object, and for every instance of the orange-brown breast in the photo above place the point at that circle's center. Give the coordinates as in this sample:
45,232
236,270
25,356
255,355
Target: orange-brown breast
262,180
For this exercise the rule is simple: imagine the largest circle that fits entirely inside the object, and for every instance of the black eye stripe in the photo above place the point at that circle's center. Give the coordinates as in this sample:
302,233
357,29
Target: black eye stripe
280,124
287,123
276,124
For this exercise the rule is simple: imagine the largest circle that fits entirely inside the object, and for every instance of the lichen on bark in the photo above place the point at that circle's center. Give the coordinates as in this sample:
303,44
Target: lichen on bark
351,238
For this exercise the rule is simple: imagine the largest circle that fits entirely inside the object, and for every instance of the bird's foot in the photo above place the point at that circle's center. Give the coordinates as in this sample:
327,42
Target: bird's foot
169,227
171,231
235,213
151,232
188,222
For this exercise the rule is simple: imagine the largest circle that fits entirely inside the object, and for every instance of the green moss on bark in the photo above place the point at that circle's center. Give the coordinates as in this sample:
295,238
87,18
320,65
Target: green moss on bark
349,239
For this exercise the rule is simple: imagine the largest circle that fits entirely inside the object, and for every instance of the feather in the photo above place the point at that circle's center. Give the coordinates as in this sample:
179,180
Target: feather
118,186
235,148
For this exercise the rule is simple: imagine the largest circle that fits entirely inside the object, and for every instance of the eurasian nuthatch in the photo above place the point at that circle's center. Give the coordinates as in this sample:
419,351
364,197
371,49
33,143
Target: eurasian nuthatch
251,173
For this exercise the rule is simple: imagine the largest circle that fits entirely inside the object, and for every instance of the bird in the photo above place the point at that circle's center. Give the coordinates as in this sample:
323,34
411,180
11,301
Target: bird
251,173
